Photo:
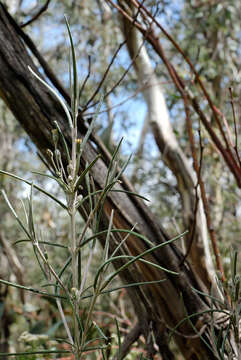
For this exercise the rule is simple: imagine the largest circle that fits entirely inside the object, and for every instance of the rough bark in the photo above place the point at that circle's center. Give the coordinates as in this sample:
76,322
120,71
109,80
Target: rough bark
36,109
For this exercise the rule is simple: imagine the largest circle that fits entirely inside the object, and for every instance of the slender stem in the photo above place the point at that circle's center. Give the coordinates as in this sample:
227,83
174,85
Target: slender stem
73,246
74,250
64,321
74,255
92,305
50,267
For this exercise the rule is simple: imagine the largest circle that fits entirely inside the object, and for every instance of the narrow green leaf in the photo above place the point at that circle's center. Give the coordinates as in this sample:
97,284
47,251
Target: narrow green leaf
83,297
131,193
107,241
64,106
27,288
158,266
63,140
36,187
61,272
213,298
110,260
41,242
58,180
15,214
74,64
91,126
92,348
138,257
87,181
132,285
87,169
30,215
103,354
134,233
103,336
122,242
26,353
116,151
39,261
123,167
188,317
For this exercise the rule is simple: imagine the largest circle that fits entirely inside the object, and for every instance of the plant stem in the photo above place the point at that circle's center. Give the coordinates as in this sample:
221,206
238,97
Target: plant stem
74,255
92,305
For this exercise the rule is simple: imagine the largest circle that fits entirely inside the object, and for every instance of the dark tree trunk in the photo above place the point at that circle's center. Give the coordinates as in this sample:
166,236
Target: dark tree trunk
36,110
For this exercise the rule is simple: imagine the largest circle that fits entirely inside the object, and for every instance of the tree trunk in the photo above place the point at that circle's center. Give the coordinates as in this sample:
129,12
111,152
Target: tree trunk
172,155
36,109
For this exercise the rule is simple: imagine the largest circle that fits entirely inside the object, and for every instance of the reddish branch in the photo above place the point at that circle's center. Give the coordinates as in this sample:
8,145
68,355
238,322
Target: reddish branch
235,128
153,39
187,98
97,91
197,169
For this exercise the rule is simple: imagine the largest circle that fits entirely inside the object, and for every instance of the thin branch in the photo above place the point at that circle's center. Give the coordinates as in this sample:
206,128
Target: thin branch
87,76
38,352
235,127
197,168
128,98
155,42
104,76
161,339
231,159
35,243
188,61
130,338
133,20
229,135
211,230
198,171
37,15
64,321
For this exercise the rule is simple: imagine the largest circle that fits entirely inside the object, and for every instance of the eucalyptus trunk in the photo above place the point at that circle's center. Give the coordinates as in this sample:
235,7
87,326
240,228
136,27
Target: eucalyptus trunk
193,215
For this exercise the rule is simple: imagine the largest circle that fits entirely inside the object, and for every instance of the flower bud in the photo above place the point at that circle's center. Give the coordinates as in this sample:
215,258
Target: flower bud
78,145
70,168
49,153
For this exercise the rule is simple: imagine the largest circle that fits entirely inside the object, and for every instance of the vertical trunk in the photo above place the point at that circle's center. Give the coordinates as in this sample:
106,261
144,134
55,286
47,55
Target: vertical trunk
172,155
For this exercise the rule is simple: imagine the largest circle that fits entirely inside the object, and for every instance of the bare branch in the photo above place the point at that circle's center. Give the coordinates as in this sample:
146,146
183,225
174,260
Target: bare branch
37,15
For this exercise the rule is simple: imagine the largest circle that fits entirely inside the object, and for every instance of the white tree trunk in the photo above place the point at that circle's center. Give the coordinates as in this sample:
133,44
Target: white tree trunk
172,154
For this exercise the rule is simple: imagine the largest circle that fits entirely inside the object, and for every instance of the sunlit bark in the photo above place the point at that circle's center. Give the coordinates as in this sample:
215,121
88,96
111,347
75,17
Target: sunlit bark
172,154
